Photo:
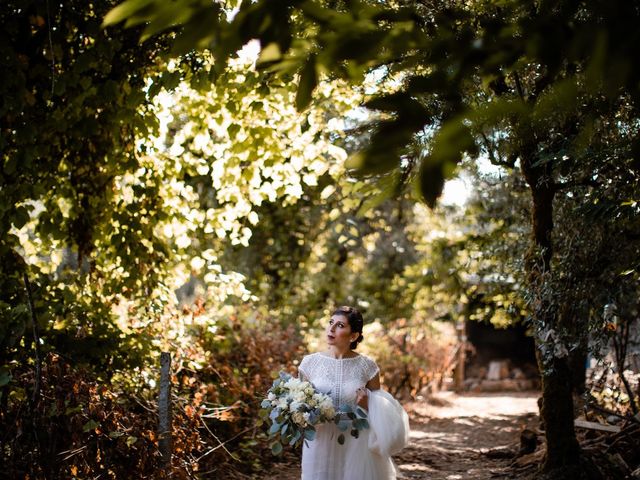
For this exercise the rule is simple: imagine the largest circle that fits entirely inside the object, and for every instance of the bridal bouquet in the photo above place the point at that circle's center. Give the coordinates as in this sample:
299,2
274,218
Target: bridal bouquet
295,407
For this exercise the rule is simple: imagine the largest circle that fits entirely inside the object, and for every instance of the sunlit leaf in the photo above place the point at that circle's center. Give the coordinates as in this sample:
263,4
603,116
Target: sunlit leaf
124,10
270,53
90,425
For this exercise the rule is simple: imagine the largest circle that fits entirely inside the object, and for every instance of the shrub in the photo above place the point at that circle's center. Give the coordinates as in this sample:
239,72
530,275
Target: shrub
412,358
81,427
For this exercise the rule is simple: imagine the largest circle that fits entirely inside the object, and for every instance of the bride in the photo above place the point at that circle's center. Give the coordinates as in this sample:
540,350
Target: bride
353,379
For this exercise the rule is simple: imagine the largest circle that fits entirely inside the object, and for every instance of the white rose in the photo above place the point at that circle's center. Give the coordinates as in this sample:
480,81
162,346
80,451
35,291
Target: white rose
293,383
326,403
298,418
330,413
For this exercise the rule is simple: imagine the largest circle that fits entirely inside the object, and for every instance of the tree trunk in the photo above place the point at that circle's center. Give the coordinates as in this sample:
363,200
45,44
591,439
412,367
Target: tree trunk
563,450
578,366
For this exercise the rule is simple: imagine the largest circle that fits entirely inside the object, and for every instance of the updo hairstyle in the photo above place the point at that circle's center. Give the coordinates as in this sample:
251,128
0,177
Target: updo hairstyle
354,317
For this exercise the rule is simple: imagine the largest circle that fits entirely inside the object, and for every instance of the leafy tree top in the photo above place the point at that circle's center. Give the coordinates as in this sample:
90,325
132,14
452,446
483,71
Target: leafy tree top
471,70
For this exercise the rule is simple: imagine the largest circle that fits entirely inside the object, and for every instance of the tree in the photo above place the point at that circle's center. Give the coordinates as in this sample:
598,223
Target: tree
74,103
104,219
522,82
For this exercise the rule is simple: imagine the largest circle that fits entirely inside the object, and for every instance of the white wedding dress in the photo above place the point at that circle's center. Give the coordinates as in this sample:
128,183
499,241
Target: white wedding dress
369,456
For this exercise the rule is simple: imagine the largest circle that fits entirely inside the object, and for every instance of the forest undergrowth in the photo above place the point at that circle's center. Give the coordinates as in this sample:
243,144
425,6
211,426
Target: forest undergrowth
72,421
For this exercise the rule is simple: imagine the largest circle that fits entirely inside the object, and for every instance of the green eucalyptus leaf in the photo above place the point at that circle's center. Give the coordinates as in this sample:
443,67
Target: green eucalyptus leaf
295,438
275,428
343,425
276,448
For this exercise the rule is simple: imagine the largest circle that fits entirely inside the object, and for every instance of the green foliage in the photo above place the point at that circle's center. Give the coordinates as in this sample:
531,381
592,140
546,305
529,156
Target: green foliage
76,103
127,176
455,60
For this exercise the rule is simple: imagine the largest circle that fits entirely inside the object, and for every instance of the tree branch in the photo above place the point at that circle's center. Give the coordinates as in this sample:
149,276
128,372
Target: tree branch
585,182
508,163
516,77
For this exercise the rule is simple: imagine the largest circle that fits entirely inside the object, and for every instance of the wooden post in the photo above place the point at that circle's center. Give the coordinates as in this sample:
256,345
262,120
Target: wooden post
164,409
462,343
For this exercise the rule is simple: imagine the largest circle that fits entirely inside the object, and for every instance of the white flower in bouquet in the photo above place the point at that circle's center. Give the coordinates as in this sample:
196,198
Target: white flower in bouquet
295,407
293,384
298,419
300,397
328,411
282,403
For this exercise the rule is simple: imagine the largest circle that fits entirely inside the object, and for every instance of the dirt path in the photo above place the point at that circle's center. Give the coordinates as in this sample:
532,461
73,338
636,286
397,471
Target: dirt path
451,434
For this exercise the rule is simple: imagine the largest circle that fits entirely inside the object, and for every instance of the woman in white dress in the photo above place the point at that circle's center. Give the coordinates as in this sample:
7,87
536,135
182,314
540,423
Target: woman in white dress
351,379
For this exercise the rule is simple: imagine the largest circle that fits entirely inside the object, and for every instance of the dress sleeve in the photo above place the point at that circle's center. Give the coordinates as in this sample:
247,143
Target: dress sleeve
371,369
303,368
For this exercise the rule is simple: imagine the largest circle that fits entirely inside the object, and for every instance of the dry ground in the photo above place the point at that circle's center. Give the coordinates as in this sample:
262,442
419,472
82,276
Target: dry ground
451,434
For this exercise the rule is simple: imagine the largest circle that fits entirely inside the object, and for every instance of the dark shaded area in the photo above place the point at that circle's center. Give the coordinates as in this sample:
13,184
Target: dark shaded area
491,343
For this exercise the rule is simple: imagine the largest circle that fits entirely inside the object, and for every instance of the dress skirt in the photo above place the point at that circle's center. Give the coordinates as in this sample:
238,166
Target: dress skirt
325,459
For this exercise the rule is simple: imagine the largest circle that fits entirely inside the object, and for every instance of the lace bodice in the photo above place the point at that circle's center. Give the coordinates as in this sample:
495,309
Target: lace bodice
325,458
338,377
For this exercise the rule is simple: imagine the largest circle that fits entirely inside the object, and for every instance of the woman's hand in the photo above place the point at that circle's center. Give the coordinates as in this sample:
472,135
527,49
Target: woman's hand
362,398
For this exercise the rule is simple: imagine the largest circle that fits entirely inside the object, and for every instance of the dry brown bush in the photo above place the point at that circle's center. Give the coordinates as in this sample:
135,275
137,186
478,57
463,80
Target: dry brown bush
413,358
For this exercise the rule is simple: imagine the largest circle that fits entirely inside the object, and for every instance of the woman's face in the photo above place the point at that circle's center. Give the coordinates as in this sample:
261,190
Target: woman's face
339,332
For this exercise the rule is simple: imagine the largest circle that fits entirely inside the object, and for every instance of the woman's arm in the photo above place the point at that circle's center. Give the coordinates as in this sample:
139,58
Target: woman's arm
362,399
374,383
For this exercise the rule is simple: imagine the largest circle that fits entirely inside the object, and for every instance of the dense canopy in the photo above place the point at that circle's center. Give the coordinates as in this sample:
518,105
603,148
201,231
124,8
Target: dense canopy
212,178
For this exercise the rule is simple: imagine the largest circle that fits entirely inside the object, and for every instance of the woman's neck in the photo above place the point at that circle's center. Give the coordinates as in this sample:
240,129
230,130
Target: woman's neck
337,352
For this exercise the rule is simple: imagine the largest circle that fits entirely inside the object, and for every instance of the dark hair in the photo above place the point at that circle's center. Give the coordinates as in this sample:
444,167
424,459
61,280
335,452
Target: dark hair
354,317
